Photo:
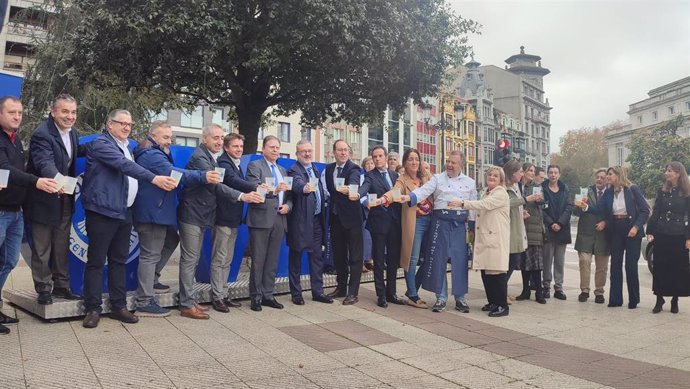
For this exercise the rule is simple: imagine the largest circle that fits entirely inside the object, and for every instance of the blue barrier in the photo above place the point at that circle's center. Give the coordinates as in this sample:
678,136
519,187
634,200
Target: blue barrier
79,239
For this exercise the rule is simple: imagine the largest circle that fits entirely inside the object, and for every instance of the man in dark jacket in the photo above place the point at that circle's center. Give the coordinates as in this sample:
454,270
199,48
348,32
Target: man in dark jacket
306,225
228,219
557,212
591,241
54,149
155,215
197,212
12,197
108,193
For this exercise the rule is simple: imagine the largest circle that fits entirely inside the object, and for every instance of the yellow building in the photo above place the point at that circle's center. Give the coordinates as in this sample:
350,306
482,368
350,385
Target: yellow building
457,131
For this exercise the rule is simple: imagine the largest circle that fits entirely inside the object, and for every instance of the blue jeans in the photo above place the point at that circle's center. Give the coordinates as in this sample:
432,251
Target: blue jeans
412,279
443,296
11,232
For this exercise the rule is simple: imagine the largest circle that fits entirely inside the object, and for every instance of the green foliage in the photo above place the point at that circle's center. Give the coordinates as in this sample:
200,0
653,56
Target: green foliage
329,59
651,151
582,151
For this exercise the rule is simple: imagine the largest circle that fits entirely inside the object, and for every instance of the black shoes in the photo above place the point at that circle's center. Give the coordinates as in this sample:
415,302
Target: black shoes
44,298
632,305
547,294
674,304
659,306
381,302
499,311
4,330
488,307
462,306
124,316
395,300
584,296
220,306
298,300
559,295
232,303
349,300
322,298
525,295
439,306
599,299
271,303
612,305
4,319
91,319
65,293
256,306
337,293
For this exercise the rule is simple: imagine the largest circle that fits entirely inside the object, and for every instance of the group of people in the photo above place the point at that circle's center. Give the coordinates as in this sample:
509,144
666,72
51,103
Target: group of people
415,221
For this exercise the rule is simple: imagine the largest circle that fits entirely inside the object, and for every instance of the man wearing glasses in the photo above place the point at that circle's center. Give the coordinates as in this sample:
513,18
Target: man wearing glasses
108,192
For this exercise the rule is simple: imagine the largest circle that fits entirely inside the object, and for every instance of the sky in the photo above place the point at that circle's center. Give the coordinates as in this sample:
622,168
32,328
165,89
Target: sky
603,55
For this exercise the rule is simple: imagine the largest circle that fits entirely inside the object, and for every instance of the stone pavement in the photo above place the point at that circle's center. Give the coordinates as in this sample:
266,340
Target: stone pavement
563,344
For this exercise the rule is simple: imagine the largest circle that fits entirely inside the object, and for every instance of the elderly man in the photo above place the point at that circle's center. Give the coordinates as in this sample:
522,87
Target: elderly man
306,225
384,225
108,193
449,227
54,149
267,224
198,213
228,219
13,196
155,214
345,222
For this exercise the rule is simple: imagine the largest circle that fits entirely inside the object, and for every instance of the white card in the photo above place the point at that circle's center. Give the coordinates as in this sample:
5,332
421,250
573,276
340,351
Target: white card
70,184
176,175
4,177
288,182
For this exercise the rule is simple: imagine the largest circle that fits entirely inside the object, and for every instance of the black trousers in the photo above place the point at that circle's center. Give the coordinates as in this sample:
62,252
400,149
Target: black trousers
49,259
315,264
347,255
385,251
531,277
496,287
108,238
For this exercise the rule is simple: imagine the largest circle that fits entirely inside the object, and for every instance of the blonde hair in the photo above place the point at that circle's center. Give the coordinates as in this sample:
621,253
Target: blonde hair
501,173
619,171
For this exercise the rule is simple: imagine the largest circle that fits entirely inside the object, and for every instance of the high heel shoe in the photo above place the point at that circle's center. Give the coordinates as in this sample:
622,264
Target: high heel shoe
659,304
674,304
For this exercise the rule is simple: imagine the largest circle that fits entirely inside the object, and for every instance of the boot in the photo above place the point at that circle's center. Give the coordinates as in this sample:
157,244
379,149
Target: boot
540,296
660,304
525,295
674,304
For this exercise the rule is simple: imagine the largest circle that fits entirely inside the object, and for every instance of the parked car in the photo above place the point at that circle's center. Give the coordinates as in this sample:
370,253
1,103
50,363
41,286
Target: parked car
647,250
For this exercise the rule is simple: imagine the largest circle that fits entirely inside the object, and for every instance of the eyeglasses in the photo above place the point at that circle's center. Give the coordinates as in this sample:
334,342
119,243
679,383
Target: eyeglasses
123,124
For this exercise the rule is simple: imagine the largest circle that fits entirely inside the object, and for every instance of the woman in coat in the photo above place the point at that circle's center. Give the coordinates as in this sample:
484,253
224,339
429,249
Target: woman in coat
415,221
492,240
367,164
626,211
667,227
557,212
533,261
518,237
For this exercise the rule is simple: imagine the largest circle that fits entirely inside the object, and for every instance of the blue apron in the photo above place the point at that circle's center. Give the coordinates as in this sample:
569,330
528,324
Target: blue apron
447,237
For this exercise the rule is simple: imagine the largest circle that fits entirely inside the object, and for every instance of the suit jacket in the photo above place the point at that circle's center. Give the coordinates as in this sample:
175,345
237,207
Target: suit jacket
301,218
349,212
198,203
229,213
380,218
635,205
588,239
263,215
47,157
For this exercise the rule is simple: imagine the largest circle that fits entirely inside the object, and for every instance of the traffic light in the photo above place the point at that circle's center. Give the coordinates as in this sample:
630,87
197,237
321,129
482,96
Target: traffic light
503,152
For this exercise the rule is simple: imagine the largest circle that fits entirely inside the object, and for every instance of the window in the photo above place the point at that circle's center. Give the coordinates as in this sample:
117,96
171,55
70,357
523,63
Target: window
306,133
218,116
283,155
193,119
260,134
186,141
655,115
671,110
284,131
687,105
619,154
162,115
639,119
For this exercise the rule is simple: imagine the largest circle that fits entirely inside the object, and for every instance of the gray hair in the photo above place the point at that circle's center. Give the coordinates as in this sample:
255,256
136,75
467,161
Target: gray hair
206,131
158,124
302,142
62,97
115,112
393,154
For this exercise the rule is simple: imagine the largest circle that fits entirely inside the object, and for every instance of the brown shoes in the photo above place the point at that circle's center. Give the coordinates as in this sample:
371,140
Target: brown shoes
193,313
200,307
91,320
124,316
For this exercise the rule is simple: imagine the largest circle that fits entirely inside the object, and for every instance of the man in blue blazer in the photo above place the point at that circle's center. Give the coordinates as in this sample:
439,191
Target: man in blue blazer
306,225
345,223
384,225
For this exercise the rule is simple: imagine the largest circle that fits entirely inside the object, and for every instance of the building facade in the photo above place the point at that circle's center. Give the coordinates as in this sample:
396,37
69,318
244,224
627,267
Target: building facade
22,21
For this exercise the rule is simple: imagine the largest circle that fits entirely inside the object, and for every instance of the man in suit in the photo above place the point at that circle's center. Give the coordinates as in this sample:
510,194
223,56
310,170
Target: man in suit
306,225
228,219
591,241
54,149
384,225
197,212
12,197
345,223
155,215
108,193
267,222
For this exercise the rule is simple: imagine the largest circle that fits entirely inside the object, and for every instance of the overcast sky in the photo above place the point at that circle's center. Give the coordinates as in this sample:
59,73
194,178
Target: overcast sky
603,55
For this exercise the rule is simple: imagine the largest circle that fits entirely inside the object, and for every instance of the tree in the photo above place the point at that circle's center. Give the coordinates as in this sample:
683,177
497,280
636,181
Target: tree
329,59
651,151
582,151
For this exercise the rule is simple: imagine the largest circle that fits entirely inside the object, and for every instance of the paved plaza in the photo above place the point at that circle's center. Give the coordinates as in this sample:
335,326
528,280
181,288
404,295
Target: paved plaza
563,344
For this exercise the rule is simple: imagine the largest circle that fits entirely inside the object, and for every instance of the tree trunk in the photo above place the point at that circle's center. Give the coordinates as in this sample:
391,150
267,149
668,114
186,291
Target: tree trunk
249,122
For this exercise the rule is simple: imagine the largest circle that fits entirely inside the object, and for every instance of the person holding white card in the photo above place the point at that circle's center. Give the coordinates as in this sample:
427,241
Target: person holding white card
14,195
155,215
53,153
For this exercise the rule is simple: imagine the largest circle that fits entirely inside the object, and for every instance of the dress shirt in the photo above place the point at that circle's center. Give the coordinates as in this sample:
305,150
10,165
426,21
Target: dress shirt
444,189
133,186
619,203
279,178
64,134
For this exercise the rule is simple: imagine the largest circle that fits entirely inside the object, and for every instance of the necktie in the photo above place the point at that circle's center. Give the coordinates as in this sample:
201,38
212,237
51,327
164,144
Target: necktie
599,194
389,184
340,171
317,203
275,176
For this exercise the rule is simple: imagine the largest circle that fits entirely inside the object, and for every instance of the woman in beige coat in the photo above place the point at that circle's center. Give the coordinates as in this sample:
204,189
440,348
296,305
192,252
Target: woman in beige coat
415,221
492,240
